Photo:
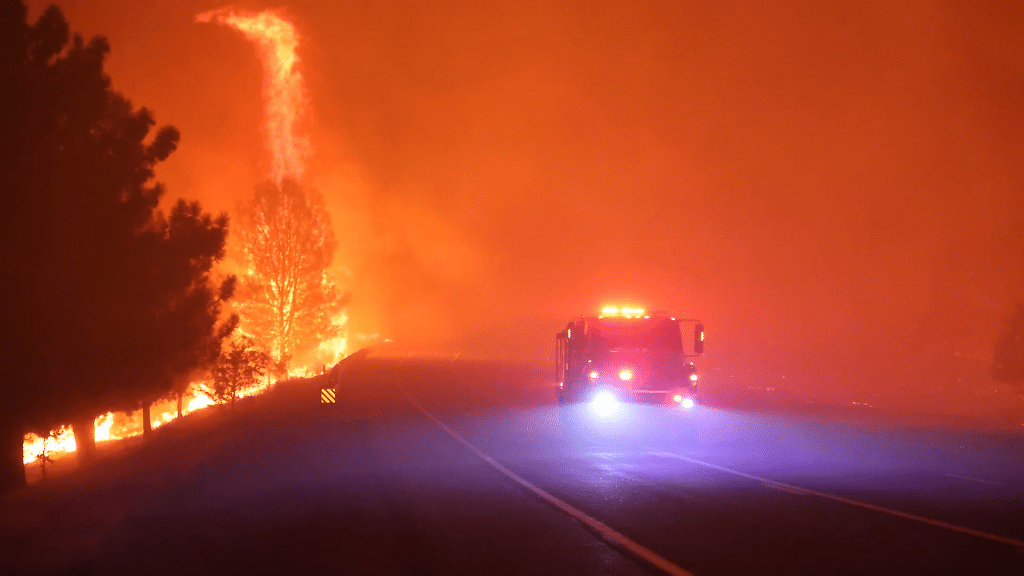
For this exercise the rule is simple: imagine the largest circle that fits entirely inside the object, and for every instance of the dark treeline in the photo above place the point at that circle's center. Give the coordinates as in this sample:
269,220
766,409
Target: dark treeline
107,302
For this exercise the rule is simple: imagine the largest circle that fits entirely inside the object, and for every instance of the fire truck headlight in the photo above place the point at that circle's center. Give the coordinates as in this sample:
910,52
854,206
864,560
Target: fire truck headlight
693,377
625,374
687,403
604,403
594,375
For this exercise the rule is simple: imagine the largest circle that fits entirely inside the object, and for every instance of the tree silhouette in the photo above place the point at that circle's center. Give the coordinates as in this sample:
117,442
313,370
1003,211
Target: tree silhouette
104,299
1008,354
288,300
239,367
179,334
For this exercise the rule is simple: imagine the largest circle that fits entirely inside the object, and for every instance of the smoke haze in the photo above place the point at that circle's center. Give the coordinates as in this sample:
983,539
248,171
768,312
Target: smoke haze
835,190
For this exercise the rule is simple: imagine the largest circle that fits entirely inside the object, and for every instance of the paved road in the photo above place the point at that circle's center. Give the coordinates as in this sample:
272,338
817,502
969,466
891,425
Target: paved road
444,467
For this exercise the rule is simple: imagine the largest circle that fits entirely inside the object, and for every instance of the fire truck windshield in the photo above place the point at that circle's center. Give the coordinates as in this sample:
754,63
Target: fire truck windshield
636,334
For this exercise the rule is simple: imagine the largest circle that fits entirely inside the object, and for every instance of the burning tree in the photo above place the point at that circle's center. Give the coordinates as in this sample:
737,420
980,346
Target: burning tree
288,299
238,368
104,300
1008,355
289,302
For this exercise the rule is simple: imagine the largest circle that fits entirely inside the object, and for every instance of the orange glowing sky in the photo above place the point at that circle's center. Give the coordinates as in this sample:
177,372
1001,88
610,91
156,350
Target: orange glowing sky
834,189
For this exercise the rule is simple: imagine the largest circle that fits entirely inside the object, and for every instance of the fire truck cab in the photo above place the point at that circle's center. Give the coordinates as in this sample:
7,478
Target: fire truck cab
628,354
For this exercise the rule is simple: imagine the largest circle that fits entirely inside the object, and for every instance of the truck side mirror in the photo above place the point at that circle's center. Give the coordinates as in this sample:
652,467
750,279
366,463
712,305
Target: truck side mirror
698,339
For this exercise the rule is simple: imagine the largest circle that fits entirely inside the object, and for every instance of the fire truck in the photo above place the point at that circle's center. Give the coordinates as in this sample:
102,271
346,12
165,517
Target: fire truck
628,355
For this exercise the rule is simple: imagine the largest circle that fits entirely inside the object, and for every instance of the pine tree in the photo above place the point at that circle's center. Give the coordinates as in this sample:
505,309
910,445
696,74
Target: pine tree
239,367
104,300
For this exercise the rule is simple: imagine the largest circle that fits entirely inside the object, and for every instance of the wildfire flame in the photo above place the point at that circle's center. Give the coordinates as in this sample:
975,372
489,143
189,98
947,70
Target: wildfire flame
60,440
120,425
112,426
103,425
200,401
331,350
277,40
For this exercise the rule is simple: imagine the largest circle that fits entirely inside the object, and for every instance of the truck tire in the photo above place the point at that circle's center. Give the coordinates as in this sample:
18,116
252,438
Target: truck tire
565,394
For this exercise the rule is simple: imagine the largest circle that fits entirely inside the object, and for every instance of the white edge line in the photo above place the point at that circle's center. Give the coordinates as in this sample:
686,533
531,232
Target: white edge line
603,529
976,480
883,509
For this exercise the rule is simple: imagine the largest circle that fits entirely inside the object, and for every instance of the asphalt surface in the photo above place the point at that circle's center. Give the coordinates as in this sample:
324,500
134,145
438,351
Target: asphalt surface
452,467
